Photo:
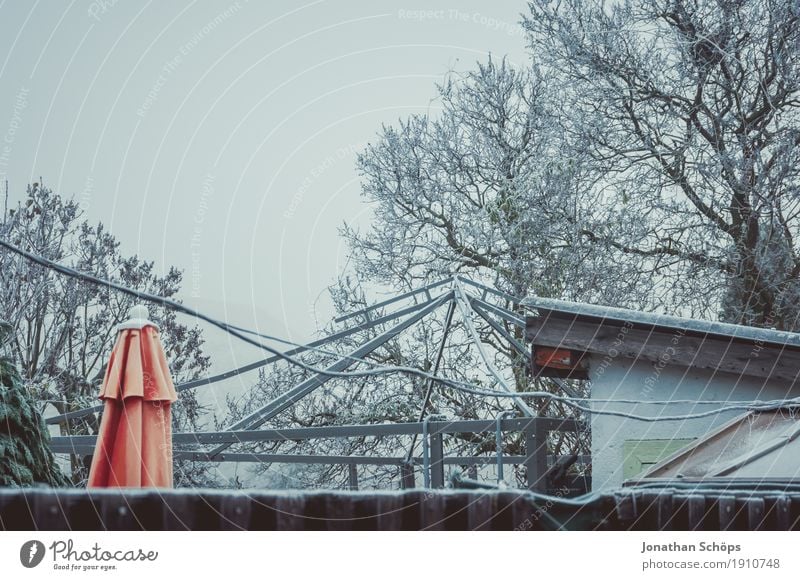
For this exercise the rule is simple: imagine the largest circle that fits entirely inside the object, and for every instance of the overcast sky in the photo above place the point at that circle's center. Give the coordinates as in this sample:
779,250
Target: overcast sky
221,137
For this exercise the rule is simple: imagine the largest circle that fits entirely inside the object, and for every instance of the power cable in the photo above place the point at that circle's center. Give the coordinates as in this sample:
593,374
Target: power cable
380,369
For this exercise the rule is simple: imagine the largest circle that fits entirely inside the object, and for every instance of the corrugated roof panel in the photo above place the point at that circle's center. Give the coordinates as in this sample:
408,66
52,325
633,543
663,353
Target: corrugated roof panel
725,451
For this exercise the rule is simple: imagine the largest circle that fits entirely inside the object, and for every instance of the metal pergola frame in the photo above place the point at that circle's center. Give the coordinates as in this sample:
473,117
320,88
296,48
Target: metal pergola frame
193,384
455,298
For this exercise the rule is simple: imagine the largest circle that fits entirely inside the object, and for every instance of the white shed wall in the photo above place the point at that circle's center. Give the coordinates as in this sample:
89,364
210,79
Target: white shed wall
642,380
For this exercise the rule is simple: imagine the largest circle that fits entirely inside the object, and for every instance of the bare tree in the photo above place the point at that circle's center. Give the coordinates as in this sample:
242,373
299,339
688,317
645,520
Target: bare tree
689,110
487,186
63,329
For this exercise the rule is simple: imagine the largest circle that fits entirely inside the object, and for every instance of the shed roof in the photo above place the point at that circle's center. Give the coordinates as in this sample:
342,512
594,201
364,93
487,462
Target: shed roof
551,307
609,332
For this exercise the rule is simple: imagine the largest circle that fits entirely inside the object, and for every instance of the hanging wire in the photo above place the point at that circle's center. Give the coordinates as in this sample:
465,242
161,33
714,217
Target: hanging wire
463,386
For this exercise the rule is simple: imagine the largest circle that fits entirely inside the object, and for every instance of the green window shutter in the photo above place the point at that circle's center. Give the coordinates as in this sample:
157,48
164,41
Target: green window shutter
643,454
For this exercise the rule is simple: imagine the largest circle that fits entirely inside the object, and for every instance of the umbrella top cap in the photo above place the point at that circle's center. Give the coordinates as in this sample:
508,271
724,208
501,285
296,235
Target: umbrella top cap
139,317
139,311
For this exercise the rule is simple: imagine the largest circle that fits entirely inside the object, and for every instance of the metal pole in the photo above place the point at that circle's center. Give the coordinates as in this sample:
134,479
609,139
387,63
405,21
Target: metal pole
536,455
407,476
437,460
465,309
498,440
426,458
429,389
352,477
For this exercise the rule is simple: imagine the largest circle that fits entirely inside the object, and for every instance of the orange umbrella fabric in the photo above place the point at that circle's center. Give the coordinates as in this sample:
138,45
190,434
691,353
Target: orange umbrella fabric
134,446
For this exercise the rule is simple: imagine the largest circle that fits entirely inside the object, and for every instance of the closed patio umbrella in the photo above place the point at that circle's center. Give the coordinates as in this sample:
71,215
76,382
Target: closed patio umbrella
134,445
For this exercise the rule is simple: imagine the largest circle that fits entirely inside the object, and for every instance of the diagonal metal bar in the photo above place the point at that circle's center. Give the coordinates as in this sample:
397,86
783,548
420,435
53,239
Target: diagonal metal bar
491,290
465,310
566,388
503,313
393,300
518,346
290,397
193,384
429,389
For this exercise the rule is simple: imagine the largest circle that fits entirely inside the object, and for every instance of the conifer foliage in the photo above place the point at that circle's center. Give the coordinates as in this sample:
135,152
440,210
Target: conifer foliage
24,440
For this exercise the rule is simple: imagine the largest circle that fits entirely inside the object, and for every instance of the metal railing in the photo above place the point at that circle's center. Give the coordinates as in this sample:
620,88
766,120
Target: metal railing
535,430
